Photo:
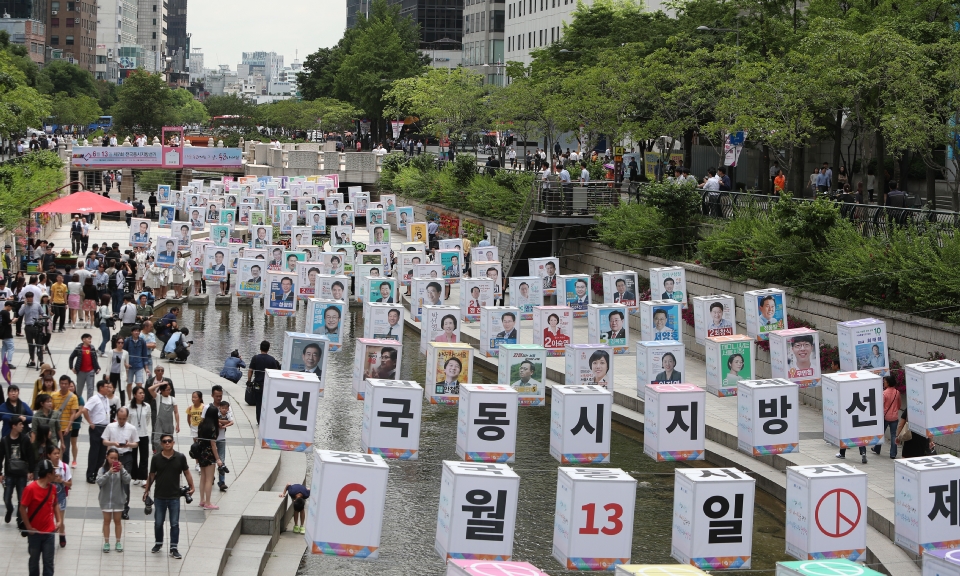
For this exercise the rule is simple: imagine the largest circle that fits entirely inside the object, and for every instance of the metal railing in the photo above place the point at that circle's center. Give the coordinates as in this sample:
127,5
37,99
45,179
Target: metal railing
554,199
870,219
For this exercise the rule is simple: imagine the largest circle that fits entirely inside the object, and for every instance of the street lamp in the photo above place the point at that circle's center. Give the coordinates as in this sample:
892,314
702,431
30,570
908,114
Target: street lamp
737,30
500,68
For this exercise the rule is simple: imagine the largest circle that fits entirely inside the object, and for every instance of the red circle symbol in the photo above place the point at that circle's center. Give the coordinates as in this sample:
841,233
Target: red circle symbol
832,504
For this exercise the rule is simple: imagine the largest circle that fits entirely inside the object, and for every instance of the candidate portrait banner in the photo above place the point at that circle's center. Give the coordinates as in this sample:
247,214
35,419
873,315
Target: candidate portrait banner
282,294
250,273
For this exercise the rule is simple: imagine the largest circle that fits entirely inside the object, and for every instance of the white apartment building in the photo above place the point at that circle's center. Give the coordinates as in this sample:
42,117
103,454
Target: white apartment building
533,24
116,24
196,65
483,32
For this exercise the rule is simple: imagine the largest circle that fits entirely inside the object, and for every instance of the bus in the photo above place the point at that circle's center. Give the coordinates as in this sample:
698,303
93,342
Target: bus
104,123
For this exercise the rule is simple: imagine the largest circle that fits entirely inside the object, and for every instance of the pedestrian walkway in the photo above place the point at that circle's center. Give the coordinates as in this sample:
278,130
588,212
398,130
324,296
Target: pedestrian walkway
83,519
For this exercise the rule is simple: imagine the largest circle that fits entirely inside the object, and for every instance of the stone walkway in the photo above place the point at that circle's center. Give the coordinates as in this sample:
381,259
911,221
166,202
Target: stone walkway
84,520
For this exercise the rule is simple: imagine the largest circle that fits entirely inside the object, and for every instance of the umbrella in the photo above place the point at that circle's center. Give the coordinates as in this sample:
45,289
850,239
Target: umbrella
83,203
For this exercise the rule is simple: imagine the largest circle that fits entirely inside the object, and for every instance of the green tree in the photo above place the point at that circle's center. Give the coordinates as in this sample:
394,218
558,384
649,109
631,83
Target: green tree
187,109
107,94
232,105
69,78
448,102
145,104
80,110
21,106
319,72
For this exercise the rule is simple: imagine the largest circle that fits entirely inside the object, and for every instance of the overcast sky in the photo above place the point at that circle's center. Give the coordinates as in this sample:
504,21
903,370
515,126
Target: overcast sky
222,30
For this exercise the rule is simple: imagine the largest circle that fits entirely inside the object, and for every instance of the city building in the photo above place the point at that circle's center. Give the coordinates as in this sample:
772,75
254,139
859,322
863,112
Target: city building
72,28
266,64
178,44
152,33
196,65
483,33
441,26
31,34
222,81
117,27
26,9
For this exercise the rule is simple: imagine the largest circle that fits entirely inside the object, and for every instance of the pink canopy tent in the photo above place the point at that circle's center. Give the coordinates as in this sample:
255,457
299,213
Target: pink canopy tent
83,203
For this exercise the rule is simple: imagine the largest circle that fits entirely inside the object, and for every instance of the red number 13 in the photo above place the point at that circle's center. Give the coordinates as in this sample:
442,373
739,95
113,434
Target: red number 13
615,511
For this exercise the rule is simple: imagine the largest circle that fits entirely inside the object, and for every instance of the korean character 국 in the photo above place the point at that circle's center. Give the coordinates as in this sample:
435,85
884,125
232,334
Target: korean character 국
583,423
776,423
934,462
946,502
858,405
724,531
287,402
492,416
480,467
678,419
491,528
393,418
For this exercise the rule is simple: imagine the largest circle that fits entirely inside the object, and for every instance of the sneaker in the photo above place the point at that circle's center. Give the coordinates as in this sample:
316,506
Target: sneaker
223,486
73,464
63,541
31,364
156,548
296,529
197,467
174,553
119,546
841,456
125,516
876,450
863,459
106,547
8,516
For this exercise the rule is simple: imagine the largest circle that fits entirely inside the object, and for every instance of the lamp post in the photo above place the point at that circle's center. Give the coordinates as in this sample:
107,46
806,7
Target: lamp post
737,59
499,66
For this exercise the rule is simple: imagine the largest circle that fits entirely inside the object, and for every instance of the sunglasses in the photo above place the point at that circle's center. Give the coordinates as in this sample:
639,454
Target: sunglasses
166,441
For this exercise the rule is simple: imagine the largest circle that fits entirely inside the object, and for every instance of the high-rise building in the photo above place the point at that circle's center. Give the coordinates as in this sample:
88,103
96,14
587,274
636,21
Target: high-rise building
483,29
196,65
266,64
29,9
440,21
152,33
117,27
72,31
178,44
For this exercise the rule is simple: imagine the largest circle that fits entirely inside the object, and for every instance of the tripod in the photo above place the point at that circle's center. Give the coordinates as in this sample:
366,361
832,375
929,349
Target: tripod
43,342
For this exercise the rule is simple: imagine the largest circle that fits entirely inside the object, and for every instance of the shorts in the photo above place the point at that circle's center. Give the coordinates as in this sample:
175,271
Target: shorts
133,373
75,433
112,511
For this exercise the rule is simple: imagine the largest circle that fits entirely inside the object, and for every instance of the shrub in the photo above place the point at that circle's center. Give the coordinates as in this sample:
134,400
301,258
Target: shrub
463,169
486,197
148,180
631,227
681,216
423,162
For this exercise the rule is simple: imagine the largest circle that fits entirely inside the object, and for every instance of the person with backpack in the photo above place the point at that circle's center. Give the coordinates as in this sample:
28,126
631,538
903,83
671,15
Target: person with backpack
16,462
42,519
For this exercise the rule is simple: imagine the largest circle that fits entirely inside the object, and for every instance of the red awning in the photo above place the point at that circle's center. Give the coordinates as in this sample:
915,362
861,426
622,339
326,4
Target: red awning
83,203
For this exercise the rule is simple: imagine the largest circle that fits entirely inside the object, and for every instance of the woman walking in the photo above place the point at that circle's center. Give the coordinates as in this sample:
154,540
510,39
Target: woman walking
111,479
179,273
140,416
90,298
105,312
208,456
74,298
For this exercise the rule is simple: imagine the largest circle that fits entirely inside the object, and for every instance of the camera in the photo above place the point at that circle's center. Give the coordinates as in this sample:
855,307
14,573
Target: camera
148,505
223,469
184,491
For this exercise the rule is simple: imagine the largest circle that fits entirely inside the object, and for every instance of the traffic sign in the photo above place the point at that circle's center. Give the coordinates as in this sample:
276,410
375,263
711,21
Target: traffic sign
834,513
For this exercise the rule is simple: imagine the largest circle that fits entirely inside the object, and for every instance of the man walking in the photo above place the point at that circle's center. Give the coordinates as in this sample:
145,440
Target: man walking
225,421
42,519
165,469
83,362
136,347
258,365
67,403
123,436
96,411
29,311
76,235
16,462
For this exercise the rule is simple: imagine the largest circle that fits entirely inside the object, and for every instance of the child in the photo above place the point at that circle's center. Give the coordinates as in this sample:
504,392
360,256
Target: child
63,481
111,479
299,494
195,413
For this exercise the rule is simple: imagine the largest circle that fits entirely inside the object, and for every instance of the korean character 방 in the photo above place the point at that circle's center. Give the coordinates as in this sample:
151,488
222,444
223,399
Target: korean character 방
295,404
934,462
486,521
775,420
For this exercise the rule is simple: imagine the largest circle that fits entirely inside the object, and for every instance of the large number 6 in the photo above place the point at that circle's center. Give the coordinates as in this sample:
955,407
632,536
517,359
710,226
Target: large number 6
343,503
616,511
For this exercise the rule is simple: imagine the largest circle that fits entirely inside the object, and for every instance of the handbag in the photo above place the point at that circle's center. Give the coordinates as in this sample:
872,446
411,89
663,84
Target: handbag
905,435
25,533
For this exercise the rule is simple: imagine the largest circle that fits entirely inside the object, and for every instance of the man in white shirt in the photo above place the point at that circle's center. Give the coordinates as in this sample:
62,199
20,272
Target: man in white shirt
123,436
584,175
96,411
713,181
